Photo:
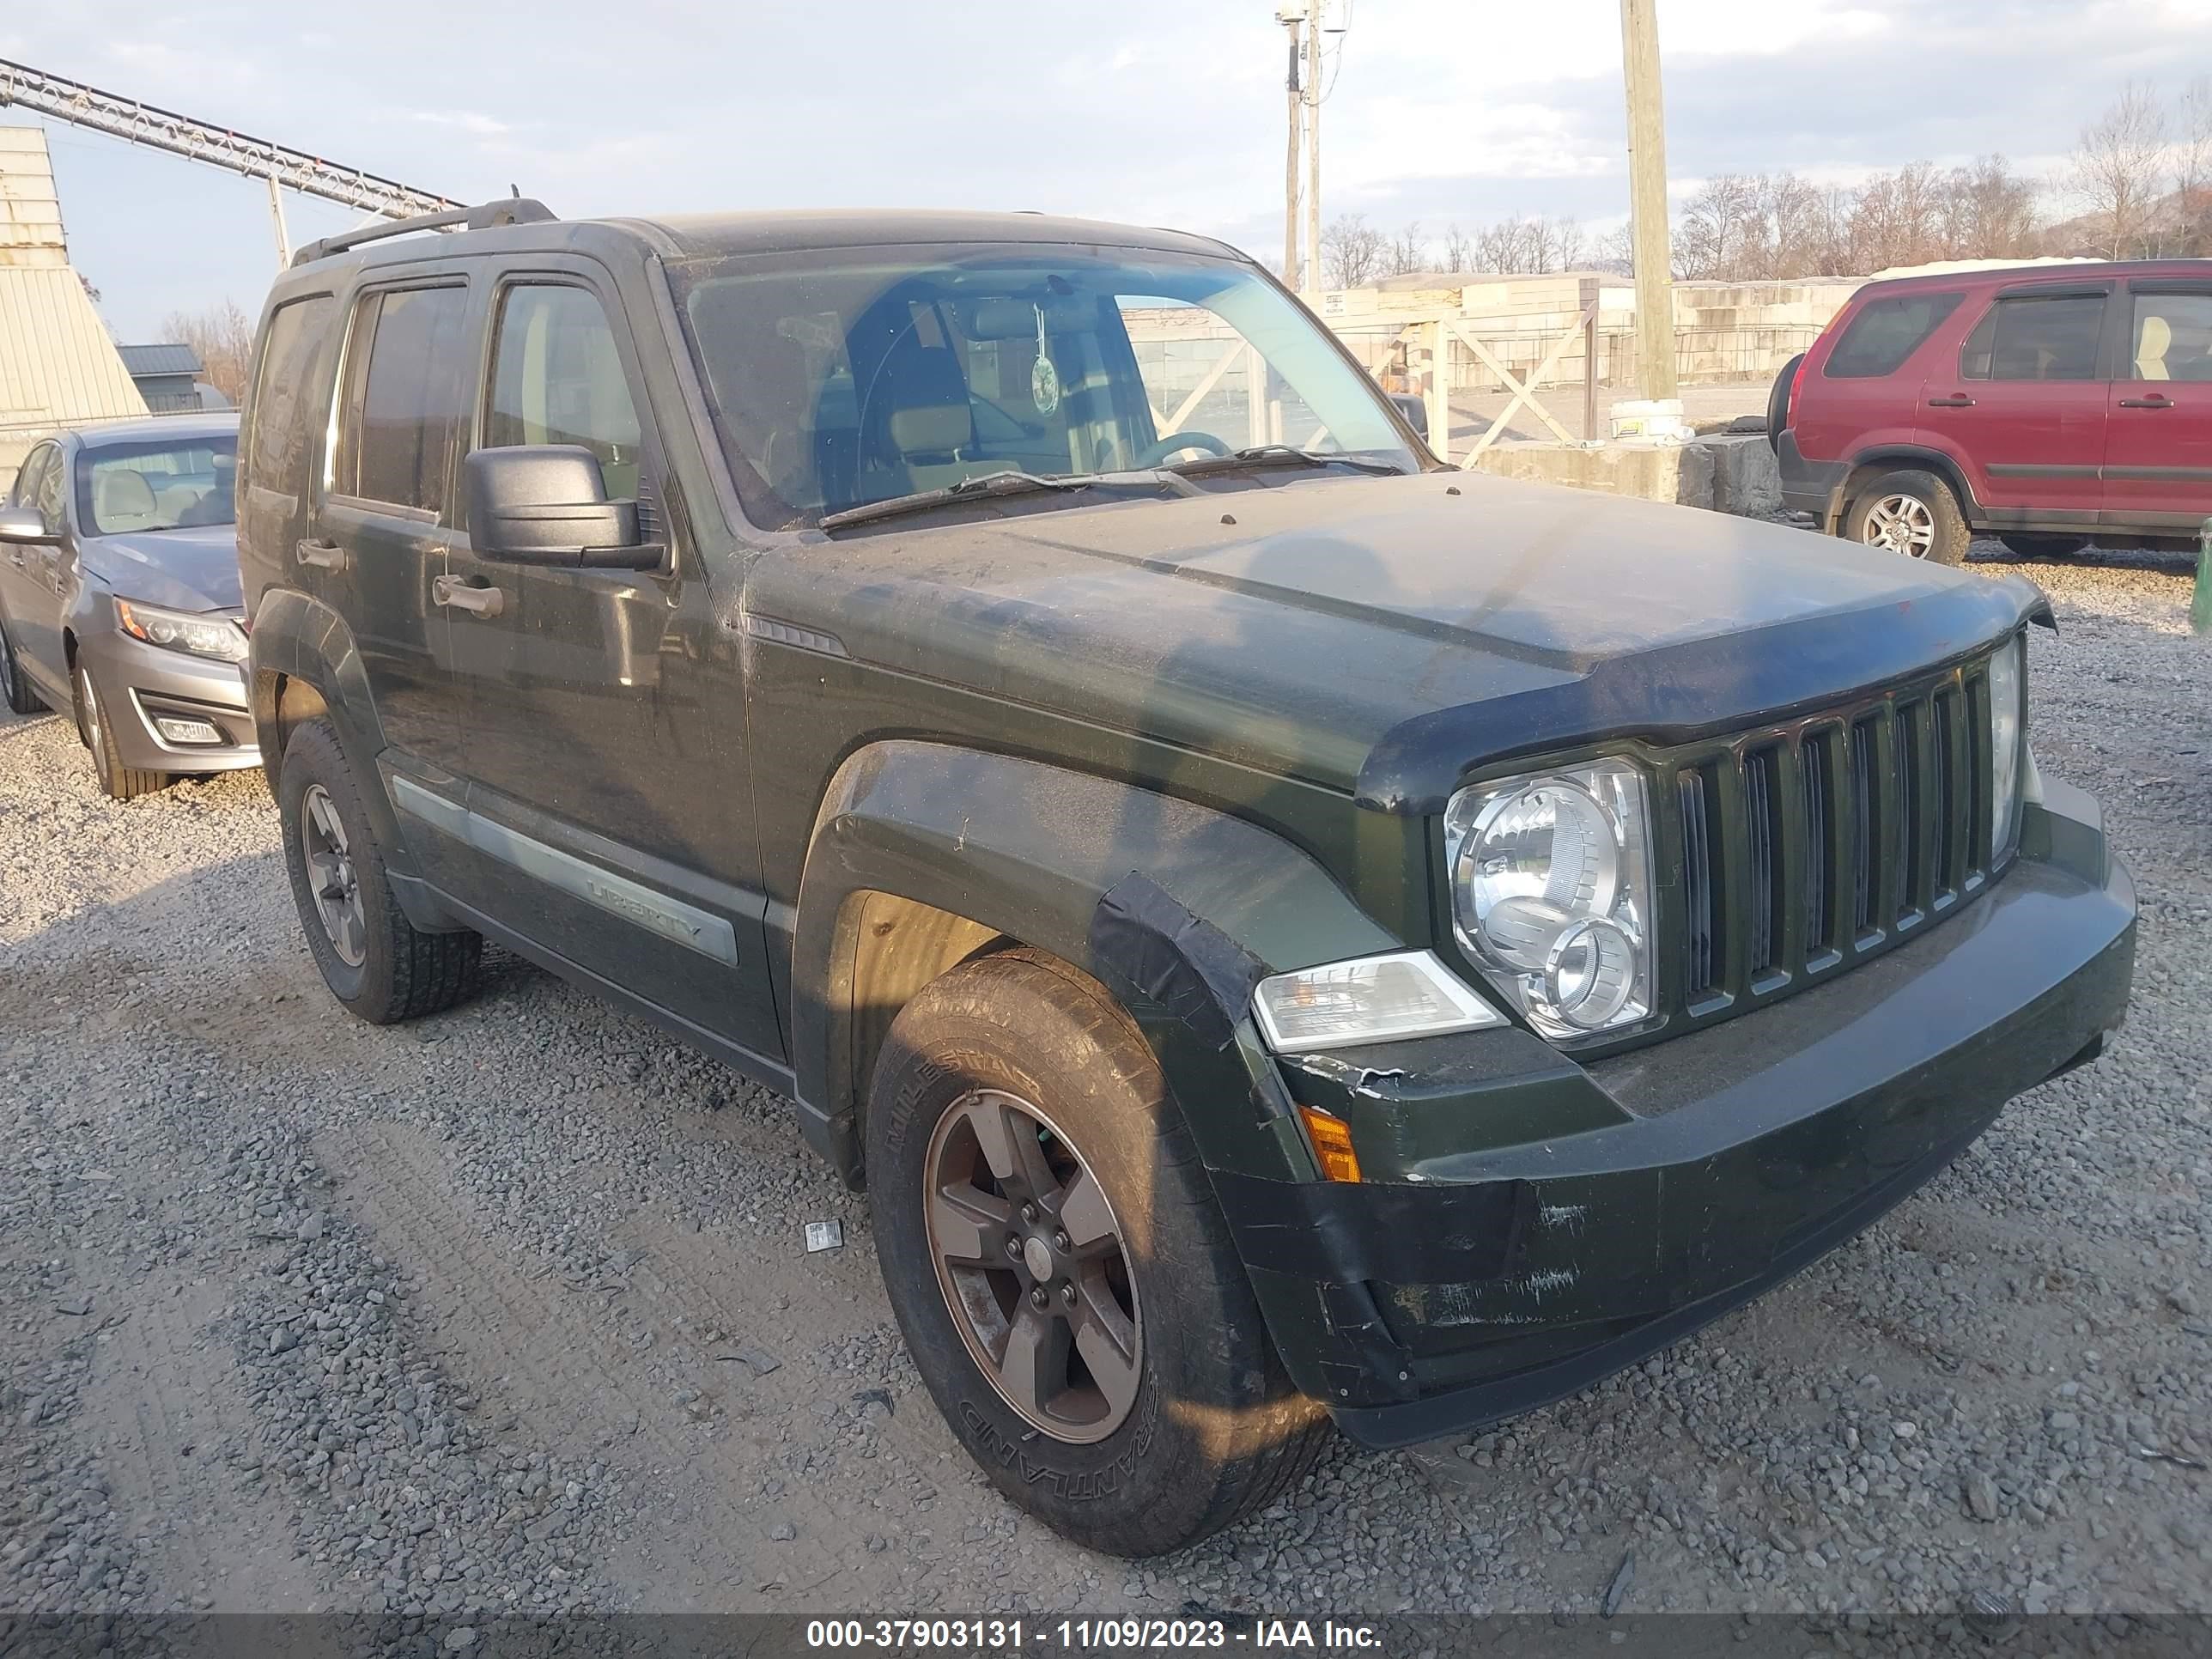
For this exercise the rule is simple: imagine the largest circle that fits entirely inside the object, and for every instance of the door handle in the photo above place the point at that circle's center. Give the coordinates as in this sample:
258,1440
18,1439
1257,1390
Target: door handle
2146,403
322,555
460,596
1956,400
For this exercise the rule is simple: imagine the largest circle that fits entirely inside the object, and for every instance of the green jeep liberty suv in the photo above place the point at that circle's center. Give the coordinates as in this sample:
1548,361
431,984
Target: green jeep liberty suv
1285,933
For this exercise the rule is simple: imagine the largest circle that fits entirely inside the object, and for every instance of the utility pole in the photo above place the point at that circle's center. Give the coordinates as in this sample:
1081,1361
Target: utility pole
277,218
1313,147
1647,199
1291,17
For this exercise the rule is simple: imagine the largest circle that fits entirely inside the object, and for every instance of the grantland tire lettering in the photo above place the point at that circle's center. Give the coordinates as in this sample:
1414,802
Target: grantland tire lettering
992,1444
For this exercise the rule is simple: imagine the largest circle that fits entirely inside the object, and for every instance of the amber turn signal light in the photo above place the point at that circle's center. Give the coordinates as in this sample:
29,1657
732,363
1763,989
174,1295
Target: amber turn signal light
1331,1144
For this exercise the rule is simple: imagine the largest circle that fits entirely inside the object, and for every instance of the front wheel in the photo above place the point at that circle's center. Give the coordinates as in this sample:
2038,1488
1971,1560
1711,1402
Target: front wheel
1062,1274
116,781
1910,513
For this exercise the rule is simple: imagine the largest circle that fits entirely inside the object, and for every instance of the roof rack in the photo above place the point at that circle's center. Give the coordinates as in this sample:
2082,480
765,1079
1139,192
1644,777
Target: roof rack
487,215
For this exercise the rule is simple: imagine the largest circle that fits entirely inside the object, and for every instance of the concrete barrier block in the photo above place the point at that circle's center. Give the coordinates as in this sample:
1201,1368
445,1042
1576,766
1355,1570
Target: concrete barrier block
1747,479
1655,472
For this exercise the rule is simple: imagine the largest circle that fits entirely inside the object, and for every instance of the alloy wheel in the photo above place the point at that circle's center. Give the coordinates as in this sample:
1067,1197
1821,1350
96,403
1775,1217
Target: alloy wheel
1034,1266
331,876
1902,524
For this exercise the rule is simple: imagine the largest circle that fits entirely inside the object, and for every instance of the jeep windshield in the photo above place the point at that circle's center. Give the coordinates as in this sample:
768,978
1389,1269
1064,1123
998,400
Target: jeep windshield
847,378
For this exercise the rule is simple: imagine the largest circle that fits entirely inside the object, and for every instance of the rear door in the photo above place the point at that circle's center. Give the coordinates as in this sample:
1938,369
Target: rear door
381,526
2158,435
2022,410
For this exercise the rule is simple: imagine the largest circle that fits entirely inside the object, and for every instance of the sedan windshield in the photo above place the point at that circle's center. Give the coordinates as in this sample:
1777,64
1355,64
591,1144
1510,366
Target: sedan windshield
156,485
844,377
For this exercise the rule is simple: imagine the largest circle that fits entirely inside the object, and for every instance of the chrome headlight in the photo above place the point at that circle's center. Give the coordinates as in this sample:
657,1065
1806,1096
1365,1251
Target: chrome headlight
2008,724
179,630
1551,878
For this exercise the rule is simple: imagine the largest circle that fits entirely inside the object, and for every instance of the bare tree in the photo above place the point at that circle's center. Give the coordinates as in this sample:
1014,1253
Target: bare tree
2192,168
1352,251
2116,167
1459,249
1562,248
1716,224
1408,252
221,338
1989,211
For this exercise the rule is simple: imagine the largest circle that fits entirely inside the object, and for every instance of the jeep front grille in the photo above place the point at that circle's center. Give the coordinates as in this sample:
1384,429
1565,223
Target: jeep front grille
1807,846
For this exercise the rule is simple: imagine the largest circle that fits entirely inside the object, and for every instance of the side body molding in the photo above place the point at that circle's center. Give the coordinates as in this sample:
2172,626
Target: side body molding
1027,852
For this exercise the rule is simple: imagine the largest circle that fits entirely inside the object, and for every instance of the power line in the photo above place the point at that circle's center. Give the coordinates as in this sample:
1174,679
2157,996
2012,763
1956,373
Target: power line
126,119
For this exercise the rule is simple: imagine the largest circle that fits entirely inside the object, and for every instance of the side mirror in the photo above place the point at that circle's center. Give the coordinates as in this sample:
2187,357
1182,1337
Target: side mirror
547,504
1415,408
22,524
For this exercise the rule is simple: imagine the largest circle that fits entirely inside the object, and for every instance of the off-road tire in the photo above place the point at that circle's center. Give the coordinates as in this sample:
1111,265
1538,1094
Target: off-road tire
1947,523
1216,1431
116,781
1777,403
20,697
2031,546
405,973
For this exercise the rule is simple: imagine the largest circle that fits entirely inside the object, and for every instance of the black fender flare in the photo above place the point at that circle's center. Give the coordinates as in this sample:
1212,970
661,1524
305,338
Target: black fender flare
296,636
1894,456
1178,908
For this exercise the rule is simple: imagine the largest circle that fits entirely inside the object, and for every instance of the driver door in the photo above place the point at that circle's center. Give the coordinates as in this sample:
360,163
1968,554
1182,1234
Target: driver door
29,575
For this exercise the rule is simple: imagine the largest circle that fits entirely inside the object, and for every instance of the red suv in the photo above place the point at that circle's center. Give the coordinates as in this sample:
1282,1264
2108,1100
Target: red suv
2052,405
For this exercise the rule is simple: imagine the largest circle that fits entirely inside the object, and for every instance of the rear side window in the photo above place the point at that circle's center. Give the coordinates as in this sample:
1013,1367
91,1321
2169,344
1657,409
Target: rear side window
403,398
1886,333
2030,337
291,358
558,378
2172,337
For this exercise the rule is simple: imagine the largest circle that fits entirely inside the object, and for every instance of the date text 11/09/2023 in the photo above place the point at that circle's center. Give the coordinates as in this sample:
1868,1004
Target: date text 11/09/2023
1087,1635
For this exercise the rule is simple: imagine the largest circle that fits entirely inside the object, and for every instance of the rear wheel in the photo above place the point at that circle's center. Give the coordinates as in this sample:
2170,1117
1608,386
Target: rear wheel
1910,513
15,684
116,781
2044,547
1061,1271
375,962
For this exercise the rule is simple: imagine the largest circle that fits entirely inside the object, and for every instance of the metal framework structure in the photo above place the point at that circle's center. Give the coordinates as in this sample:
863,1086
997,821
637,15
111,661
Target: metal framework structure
200,141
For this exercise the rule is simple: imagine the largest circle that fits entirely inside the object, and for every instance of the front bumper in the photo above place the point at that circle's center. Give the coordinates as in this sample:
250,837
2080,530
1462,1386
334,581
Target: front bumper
139,683
1492,1282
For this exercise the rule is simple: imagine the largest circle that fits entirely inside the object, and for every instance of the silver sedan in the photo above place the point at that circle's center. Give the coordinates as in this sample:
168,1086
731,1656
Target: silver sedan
119,598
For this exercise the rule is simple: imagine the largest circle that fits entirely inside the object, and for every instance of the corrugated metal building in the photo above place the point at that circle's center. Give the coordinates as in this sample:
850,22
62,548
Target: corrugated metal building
57,364
167,376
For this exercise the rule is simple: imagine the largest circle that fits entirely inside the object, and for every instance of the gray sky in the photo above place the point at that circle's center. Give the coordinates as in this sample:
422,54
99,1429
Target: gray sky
1163,111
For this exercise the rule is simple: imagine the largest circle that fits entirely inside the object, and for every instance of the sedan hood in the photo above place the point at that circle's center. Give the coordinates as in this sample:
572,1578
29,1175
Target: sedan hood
1384,634
190,569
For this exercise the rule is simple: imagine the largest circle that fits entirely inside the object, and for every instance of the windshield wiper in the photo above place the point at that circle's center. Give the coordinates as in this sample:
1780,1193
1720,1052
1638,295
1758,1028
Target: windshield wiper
983,486
1283,455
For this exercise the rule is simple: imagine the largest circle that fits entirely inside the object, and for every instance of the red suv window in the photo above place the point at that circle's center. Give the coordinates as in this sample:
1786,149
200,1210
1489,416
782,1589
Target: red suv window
1886,333
2028,337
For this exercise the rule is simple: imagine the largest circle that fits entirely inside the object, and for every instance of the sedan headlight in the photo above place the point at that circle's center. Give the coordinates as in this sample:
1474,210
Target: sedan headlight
176,630
2007,724
1550,877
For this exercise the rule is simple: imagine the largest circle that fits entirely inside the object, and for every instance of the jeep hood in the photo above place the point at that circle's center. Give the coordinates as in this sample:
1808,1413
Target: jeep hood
189,569
1382,635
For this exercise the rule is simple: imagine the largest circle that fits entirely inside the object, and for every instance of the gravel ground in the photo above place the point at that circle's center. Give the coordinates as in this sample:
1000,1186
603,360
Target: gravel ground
508,1311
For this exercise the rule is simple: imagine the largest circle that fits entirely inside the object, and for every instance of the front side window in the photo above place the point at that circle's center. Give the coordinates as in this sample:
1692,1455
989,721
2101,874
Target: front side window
1886,333
841,377
2172,336
29,478
2029,338
403,400
558,378
156,485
